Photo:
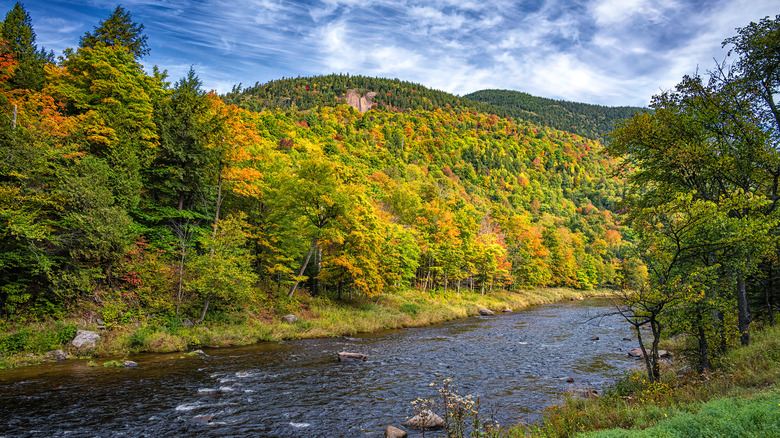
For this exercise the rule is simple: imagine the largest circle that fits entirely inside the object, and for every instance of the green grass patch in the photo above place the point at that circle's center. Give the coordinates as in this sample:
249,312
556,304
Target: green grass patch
757,417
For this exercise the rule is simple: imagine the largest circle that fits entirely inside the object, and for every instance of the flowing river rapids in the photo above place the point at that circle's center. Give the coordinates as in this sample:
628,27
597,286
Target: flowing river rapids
517,363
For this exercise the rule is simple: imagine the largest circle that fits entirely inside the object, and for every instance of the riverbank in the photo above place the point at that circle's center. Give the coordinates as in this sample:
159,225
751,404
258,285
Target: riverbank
740,397
316,317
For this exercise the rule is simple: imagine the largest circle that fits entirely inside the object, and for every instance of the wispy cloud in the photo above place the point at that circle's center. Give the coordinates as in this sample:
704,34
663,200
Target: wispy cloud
612,52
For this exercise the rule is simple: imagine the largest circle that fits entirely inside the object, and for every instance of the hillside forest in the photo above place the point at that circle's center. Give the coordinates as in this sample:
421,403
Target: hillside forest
138,197
130,196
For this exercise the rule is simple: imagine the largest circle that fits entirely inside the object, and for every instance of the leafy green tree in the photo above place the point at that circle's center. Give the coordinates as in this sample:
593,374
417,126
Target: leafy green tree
94,232
222,269
118,29
112,99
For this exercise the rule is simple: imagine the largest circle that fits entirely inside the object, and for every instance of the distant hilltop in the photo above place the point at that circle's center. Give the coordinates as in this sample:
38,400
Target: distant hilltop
365,93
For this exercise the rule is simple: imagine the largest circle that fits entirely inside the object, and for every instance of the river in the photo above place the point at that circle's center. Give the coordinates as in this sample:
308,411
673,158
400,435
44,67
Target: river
517,363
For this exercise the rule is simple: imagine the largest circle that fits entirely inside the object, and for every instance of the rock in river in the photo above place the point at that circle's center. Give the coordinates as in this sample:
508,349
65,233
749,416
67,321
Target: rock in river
425,420
85,339
352,357
637,353
485,312
202,419
394,432
57,355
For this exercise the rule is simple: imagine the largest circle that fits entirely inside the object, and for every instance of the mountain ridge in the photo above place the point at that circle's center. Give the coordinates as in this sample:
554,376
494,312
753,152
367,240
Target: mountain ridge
303,93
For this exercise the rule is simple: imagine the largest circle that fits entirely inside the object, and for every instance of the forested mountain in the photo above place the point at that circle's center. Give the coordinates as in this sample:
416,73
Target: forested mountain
305,93
133,198
587,120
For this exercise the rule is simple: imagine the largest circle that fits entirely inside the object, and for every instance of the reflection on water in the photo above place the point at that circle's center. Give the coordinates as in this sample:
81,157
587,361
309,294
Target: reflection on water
517,362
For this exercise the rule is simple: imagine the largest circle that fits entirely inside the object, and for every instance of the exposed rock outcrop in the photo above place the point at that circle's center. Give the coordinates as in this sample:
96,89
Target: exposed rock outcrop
85,339
360,103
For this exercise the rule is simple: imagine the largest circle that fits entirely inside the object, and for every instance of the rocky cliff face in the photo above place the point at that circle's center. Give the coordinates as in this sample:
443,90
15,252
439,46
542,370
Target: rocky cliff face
360,103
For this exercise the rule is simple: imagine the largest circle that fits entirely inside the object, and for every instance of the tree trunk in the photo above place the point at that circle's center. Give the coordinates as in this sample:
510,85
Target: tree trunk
743,312
181,274
205,308
656,339
645,356
704,352
303,268
213,236
768,297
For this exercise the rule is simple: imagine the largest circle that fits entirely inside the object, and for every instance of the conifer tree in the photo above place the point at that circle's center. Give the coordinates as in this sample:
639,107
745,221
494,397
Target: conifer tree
118,30
18,34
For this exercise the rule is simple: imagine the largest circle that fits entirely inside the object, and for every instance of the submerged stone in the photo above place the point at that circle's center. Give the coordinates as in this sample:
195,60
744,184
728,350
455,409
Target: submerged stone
352,357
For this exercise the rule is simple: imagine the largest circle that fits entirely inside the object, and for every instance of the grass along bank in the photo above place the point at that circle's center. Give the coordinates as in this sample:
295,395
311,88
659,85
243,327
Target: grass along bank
740,398
317,317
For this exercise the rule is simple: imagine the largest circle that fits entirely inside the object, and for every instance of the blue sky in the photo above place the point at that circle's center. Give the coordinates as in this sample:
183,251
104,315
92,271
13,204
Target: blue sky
609,52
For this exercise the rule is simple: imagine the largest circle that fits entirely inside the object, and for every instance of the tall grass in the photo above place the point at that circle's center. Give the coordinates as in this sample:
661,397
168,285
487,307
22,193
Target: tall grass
318,317
745,380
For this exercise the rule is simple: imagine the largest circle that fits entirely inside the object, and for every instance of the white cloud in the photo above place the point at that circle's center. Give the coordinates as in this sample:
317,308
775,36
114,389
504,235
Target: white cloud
602,51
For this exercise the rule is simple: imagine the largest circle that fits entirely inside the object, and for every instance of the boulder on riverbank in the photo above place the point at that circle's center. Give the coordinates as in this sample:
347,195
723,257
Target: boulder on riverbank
352,357
394,432
637,353
85,339
584,393
290,319
427,420
485,312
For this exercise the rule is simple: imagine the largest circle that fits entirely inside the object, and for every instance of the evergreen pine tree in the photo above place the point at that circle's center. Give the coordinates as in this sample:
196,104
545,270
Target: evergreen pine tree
118,30
19,36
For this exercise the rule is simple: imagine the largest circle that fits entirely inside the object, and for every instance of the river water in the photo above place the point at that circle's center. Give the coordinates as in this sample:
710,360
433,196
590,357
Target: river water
517,363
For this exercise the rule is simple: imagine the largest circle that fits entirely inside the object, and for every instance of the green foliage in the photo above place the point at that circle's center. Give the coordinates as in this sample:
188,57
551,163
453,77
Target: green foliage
37,339
222,268
184,166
